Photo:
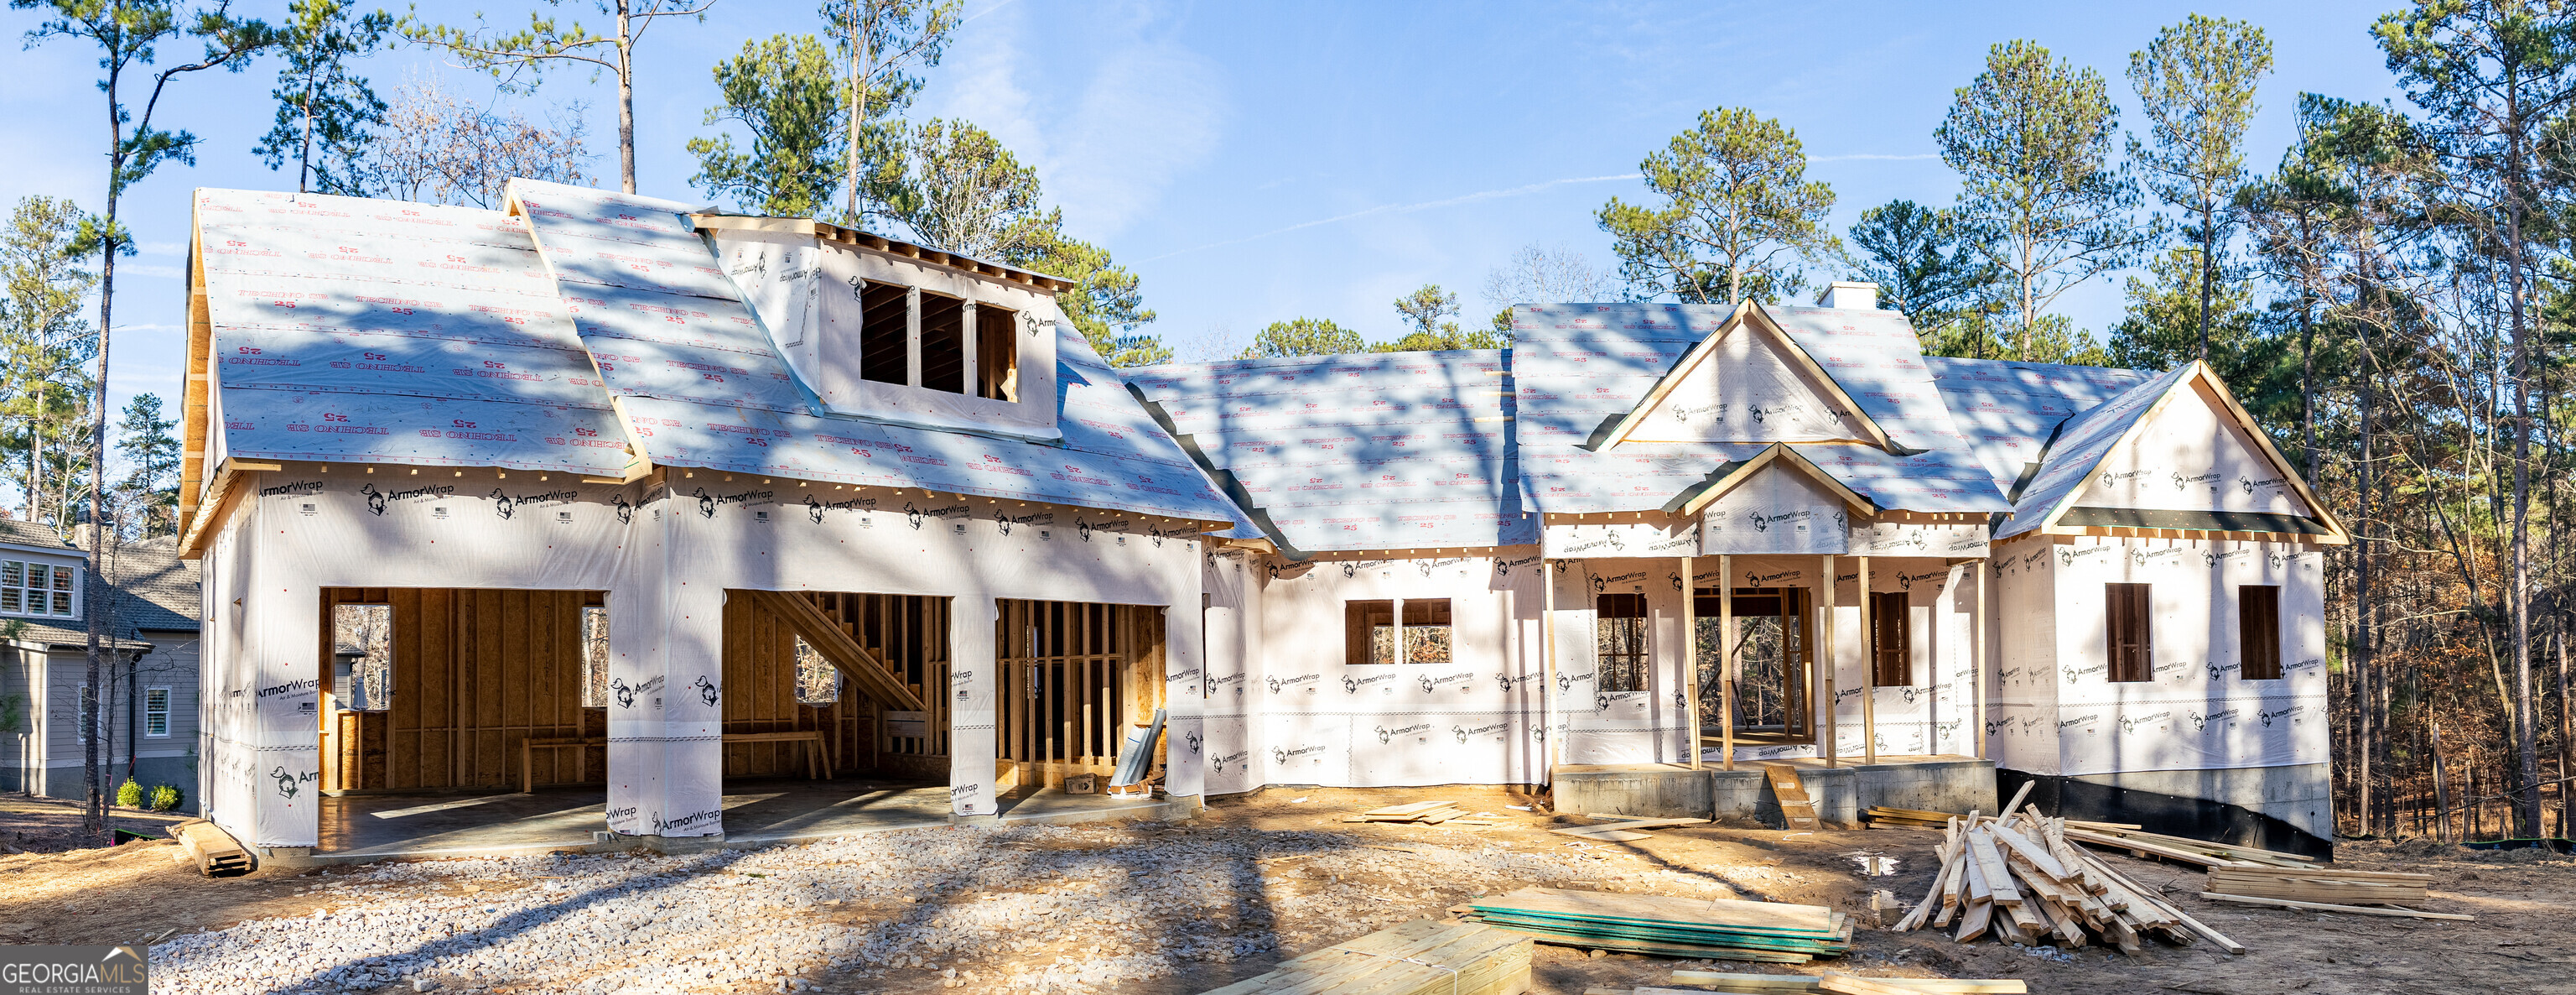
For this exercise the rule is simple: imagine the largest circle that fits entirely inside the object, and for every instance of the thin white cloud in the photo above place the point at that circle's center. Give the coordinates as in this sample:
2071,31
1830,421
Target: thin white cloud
1107,147
1518,191
1874,157
163,248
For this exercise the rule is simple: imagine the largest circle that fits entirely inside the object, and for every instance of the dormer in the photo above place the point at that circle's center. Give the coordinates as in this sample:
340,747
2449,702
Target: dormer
881,329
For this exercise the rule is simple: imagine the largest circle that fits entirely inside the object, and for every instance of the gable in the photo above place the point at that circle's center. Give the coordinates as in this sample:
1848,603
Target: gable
1782,506
2189,455
1748,383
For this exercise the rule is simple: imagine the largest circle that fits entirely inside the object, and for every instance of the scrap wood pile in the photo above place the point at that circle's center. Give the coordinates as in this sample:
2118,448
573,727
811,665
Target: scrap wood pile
1907,818
2021,880
2176,848
1622,828
2325,890
1723,929
214,850
1421,957
1797,984
1431,814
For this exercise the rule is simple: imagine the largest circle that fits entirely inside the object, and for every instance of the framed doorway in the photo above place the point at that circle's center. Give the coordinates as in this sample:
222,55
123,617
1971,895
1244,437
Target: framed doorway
1073,677
1773,634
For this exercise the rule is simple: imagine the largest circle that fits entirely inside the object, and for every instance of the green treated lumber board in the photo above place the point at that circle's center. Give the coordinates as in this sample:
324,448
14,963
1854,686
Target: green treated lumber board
1840,935
1667,936
1657,949
1773,917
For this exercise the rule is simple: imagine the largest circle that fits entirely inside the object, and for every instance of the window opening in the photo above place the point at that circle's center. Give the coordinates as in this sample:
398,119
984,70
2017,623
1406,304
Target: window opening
156,711
362,641
594,657
1426,630
943,343
885,333
2258,631
818,683
1619,632
997,353
1891,640
1368,632
2129,638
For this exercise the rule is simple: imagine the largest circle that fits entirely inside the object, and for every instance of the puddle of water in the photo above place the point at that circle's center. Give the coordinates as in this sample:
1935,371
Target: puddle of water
1877,867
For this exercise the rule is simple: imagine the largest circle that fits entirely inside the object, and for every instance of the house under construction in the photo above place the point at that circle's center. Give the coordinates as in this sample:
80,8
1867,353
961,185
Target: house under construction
603,494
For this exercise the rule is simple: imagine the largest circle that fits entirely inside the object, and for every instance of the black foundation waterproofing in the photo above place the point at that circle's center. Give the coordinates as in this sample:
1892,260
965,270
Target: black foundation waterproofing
2172,815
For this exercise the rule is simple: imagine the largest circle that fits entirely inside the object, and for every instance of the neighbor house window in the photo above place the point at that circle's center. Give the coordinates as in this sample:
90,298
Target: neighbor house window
2258,631
1619,635
44,590
156,711
1891,644
594,657
2131,650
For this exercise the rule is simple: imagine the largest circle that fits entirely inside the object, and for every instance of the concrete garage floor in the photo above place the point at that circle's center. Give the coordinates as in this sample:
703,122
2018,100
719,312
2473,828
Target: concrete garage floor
361,828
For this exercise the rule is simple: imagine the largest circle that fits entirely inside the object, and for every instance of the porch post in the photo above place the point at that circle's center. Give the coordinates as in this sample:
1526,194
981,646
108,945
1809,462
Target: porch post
1825,664
1690,661
1868,670
1977,657
1547,666
1726,660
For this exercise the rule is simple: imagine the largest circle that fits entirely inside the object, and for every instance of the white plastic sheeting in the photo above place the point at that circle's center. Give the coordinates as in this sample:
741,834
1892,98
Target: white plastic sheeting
2058,711
1750,385
1949,539
2081,444
1781,509
665,555
2187,457
358,330
1592,540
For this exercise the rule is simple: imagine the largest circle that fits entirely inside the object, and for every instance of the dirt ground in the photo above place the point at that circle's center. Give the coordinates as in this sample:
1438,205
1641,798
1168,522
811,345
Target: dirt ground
2519,944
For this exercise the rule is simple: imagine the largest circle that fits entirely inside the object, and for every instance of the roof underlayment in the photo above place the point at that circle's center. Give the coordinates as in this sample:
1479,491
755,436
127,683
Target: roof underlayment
355,330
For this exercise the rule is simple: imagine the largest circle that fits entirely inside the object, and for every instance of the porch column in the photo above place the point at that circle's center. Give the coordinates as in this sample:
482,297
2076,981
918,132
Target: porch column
1690,661
1977,655
974,682
1868,671
1726,660
1547,697
1825,664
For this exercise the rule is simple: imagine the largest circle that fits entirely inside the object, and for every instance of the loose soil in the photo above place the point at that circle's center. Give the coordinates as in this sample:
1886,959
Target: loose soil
2523,901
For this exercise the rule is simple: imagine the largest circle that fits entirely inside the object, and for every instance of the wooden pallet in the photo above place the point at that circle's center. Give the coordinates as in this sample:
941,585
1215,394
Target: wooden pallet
1796,808
213,849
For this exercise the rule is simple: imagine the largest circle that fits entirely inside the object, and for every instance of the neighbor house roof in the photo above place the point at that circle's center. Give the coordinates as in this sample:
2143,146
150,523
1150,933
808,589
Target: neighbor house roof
155,590
355,330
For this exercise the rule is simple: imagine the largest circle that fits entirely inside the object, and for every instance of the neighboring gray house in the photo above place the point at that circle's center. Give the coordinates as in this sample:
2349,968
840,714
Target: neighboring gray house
148,714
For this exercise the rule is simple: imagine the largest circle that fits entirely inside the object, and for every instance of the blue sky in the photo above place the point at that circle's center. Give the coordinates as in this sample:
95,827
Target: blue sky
1255,162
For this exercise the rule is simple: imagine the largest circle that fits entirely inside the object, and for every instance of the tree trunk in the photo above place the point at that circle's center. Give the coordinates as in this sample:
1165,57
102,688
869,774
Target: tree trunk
625,99
2526,746
2208,271
2363,615
304,167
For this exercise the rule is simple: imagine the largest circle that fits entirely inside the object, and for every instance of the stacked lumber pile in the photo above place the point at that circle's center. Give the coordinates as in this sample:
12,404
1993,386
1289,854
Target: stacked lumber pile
1430,814
1798,984
1622,828
2021,880
2176,848
2323,890
213,849
1906,818
1421,957
1664,926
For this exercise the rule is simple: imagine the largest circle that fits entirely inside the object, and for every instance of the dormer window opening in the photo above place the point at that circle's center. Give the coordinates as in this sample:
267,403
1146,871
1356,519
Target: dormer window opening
997,353
943,343
885,333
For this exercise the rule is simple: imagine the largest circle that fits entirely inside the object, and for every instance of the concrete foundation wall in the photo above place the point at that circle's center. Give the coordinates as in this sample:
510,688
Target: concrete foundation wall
2301,794
1840,793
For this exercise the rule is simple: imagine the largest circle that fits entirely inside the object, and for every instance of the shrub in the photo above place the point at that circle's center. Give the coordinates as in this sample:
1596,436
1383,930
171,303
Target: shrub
164,798
129,794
